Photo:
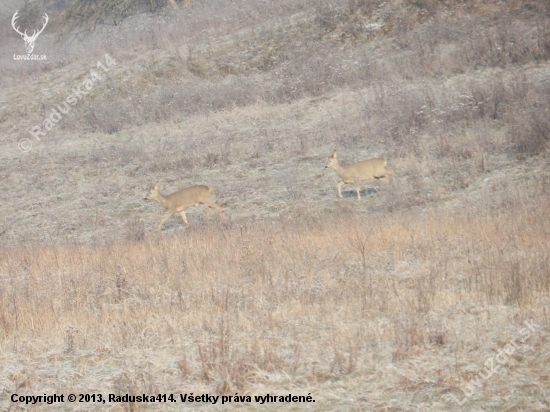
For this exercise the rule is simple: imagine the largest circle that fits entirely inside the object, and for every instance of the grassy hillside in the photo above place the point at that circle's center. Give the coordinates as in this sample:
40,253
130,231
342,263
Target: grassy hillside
392,302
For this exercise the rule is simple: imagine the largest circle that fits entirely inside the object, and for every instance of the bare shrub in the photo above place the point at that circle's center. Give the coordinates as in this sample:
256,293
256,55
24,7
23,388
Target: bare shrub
135,230
529,131
212,159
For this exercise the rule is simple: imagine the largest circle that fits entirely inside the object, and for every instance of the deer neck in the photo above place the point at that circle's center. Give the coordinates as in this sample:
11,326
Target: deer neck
163,200
338,168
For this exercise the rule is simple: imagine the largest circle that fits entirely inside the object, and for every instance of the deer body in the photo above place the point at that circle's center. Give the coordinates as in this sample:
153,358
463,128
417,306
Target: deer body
182,199
356,172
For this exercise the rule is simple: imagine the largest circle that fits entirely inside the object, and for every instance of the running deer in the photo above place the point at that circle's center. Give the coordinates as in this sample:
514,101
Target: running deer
182,199
356,172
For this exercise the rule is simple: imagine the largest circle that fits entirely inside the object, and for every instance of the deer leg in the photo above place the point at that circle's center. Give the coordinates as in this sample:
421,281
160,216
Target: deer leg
182,213
213,205
168,216
356,184
339,191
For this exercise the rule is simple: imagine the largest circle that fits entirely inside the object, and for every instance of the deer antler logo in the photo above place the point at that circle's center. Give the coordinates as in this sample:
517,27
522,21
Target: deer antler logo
29,40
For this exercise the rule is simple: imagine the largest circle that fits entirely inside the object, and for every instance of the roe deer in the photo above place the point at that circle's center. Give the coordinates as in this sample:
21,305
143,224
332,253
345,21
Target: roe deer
182,199
356,172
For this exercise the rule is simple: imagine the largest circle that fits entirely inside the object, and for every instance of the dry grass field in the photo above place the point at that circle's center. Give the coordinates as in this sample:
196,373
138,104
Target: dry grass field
432,294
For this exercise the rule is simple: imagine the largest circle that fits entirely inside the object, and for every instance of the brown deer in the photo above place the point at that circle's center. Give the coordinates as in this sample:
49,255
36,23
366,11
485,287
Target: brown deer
179,201
356,172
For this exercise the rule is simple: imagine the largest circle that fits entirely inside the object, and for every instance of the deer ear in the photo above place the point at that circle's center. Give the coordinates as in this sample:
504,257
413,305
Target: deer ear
334,154
156,186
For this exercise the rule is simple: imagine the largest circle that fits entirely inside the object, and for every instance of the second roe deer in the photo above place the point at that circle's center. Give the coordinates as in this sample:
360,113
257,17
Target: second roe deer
182,199
356,172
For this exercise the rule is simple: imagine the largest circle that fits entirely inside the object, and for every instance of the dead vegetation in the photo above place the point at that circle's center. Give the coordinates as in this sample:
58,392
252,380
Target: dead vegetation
264,307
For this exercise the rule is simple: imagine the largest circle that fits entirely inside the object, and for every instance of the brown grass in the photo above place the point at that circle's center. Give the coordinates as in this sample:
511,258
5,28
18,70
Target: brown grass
293,306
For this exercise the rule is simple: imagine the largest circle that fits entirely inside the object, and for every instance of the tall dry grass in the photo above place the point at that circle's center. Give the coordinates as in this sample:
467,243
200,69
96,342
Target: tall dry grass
296,303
